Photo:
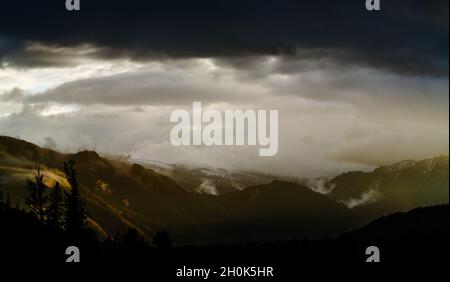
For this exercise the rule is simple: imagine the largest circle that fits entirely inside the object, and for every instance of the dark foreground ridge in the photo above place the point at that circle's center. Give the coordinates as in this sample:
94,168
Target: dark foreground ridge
420,235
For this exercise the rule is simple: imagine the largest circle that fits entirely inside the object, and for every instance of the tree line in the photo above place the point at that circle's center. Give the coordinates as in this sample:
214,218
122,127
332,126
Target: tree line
65,210
59,209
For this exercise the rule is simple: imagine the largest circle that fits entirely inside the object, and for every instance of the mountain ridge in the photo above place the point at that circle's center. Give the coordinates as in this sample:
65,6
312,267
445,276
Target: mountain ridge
121,195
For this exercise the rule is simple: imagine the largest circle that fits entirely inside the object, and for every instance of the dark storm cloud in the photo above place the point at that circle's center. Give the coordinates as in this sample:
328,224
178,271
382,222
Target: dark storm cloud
39,57
408,37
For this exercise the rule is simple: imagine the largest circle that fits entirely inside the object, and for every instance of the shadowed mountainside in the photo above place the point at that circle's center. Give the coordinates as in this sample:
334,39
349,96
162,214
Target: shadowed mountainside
120,195
398,187
418,237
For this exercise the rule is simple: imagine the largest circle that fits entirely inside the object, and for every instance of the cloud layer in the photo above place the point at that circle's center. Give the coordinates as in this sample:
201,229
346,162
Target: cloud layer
331,118
354,88
344,31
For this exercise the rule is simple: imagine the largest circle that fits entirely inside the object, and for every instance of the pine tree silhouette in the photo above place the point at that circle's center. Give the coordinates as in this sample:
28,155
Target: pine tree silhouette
56,209
2,205
75,219
1,192
162,240
36,197
8,201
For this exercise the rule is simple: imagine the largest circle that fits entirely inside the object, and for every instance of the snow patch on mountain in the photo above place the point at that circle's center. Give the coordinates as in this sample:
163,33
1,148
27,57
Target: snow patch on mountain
320,185
207,187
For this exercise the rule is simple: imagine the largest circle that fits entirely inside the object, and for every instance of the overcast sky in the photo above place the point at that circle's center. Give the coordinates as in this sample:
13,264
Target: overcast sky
354,88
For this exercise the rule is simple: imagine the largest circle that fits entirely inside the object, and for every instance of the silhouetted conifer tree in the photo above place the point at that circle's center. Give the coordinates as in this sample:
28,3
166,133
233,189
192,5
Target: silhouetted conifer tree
76,216
36,197
162,240
1,192
1,197
8,201
56,209
131,239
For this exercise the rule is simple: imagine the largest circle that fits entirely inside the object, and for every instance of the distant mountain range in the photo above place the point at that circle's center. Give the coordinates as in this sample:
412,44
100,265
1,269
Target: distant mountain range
397,187
401,186
216,181
210,181
205,206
